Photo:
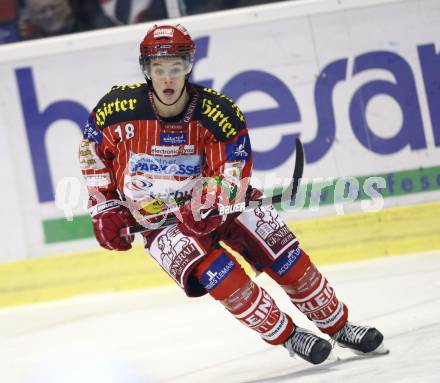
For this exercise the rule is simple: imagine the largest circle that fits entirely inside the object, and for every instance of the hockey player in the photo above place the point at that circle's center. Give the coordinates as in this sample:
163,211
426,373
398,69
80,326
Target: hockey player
167,142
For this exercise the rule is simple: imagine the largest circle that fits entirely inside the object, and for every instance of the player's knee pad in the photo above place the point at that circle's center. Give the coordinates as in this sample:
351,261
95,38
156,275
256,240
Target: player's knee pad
220,274
289,267
309,290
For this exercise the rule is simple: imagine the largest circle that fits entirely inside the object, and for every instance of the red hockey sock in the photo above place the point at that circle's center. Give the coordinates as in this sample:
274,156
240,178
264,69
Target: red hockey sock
309,290
226,281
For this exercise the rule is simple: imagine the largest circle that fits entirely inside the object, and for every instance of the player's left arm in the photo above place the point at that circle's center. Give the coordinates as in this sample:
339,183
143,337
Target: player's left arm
227,166
228,153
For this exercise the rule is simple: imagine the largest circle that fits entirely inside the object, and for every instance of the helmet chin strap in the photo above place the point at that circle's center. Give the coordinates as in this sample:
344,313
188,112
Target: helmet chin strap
173,103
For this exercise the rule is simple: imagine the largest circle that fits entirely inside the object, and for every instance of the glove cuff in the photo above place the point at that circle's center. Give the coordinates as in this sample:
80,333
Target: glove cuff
104,206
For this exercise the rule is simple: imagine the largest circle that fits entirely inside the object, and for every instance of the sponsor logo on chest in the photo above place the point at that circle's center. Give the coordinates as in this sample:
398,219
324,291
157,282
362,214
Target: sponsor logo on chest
157,150
172,139
188,165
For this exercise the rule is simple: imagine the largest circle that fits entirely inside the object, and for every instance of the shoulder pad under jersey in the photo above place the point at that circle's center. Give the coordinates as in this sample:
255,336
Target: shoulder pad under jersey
219,114
123,103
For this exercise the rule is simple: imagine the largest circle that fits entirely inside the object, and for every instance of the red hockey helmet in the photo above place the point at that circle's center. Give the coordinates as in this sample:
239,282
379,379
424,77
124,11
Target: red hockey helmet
166,41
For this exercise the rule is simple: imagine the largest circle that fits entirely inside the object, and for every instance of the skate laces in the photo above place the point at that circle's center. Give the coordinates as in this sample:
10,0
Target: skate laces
301,342
350,334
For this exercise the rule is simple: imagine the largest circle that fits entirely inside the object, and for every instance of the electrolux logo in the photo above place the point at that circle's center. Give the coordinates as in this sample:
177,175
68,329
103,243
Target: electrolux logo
180,150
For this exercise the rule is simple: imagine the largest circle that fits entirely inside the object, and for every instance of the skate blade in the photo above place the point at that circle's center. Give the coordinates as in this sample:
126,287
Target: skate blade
332,357
381,350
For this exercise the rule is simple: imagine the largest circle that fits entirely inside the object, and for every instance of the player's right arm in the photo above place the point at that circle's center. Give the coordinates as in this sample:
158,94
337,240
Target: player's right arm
96,156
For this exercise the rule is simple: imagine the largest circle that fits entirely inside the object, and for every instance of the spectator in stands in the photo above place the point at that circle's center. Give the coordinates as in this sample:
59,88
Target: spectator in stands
192,7
8,21
246,3
43,18
134,11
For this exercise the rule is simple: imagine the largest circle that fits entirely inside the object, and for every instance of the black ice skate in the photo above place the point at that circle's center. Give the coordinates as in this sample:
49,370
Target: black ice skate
308,346
360,339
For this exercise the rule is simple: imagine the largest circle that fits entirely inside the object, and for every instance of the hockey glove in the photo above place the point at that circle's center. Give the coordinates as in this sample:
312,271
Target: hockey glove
193,223
205,196
108,218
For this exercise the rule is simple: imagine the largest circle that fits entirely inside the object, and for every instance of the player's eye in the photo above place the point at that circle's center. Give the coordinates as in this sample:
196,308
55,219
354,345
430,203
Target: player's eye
158,71
176,71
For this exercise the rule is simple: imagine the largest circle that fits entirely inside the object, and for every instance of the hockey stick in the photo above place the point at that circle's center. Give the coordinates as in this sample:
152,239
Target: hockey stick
241,206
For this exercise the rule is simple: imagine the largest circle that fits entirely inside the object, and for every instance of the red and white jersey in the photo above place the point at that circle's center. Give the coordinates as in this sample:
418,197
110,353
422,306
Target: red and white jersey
127,147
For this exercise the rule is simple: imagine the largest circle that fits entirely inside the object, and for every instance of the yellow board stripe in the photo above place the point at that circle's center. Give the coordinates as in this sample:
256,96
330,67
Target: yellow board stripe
328,240
360,236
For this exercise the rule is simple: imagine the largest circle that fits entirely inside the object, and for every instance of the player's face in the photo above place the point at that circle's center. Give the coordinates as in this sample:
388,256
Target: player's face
168,77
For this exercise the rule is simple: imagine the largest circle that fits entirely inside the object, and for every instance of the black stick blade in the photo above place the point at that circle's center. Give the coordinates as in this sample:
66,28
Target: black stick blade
296,177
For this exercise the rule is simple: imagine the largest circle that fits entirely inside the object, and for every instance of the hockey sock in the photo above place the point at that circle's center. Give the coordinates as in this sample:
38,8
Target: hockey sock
309,290
226,281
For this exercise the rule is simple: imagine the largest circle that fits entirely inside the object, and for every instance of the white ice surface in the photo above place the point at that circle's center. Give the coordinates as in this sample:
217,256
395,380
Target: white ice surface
159,335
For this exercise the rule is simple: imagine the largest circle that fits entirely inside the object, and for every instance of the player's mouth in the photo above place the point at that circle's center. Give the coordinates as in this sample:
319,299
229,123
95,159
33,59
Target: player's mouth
168,92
